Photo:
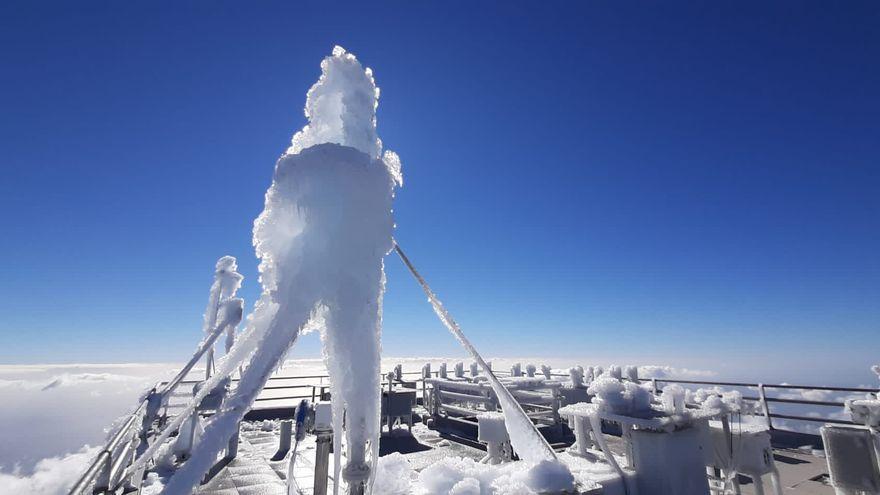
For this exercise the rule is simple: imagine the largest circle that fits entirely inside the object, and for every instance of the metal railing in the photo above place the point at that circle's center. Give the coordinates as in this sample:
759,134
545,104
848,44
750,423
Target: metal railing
103,474
764,401
106,472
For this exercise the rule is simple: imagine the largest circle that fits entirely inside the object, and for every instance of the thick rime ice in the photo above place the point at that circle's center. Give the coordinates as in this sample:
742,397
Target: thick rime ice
619,397
673,399
227,281
341,108
321,238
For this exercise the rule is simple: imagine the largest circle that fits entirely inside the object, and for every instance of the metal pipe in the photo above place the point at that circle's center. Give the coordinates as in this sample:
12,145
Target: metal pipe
286,434
322,461
765,406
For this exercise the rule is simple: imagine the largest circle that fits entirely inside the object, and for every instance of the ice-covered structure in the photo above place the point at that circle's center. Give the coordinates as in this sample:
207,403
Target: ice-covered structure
227,281
321,239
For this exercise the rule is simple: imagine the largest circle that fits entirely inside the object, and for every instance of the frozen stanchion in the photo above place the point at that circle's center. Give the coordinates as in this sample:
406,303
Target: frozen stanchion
475,370
398,373
590,374
516,370
576,375
632,373
547,372
390,378
615,372
441,372
459,370
285,435
493,432
530,370
324,438
426,375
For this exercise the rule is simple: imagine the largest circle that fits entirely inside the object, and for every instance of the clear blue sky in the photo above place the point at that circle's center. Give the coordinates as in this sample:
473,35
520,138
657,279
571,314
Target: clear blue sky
581,178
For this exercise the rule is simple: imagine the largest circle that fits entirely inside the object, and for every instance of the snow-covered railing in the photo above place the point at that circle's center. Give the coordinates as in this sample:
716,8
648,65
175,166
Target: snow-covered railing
764,400
105,472
312,391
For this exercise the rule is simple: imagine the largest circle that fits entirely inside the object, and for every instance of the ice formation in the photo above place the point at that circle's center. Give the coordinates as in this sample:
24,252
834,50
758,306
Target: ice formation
321,239
547,372
227,281
718,399
576,377
673,399
619,397
524,437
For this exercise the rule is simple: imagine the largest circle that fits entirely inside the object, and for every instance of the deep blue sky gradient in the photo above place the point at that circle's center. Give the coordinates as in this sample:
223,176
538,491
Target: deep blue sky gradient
651,180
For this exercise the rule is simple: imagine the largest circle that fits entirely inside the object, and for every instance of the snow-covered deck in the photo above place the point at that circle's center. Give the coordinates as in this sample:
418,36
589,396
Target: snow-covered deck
253,472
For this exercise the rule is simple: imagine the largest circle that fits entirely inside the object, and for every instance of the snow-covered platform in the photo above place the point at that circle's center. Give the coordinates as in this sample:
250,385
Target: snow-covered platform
253,472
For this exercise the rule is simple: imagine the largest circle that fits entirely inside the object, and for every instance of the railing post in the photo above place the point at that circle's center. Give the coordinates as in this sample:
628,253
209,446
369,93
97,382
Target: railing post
765,405
654,385
102,483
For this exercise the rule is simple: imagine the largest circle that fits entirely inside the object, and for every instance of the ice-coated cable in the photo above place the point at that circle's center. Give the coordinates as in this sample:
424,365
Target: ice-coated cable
529,444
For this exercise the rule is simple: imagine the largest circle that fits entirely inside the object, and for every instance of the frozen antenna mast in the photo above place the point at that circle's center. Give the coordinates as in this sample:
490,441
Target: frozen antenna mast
321,239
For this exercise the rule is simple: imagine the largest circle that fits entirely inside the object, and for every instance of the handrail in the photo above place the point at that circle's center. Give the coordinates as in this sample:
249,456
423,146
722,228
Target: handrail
665,380
784,386
107,465
206,344
765,400
103,466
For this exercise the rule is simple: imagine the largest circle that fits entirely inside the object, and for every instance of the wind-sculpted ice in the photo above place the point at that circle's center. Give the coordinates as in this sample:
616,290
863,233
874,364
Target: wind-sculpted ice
619,397
227,281
321,239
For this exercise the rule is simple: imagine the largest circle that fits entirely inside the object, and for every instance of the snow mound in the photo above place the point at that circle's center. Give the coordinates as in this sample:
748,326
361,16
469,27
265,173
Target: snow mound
393,475
466,476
